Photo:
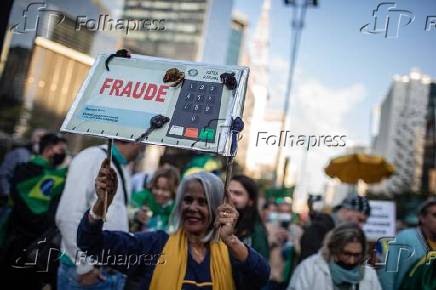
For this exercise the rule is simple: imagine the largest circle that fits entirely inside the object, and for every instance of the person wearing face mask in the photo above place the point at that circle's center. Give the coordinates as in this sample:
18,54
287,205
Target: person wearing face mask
353,208
36,188
159,199
18,155
339,265
250,228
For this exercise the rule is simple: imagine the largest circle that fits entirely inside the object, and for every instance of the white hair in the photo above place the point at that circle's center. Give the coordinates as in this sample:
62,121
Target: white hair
214,193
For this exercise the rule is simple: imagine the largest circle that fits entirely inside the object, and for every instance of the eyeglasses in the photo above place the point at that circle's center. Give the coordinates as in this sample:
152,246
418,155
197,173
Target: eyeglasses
351,255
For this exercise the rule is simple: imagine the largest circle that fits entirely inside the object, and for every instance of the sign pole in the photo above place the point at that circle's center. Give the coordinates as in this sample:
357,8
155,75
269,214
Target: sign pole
109,158
229,171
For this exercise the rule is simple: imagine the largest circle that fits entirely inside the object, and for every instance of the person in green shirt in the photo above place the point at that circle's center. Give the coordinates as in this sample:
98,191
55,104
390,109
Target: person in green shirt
157,199
422,275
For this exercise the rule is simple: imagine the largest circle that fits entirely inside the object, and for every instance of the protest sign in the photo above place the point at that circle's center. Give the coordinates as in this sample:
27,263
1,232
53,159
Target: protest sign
381,223
120,102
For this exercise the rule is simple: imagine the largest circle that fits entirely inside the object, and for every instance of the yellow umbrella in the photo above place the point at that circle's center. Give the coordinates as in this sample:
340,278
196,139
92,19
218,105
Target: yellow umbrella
351,168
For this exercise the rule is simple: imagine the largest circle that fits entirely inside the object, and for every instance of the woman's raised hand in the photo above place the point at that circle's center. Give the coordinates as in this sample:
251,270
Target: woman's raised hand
106,182
226,219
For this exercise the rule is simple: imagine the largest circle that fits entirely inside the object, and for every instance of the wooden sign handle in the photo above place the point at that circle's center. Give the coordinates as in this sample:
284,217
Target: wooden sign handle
109,158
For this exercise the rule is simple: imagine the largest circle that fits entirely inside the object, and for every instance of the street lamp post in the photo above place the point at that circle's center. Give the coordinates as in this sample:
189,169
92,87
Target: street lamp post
297,24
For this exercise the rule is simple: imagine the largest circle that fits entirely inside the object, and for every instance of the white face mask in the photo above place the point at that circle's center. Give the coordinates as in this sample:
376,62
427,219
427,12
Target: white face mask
279,217
35,148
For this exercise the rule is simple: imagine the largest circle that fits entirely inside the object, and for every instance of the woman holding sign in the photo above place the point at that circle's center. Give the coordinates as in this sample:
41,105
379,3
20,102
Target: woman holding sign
188,257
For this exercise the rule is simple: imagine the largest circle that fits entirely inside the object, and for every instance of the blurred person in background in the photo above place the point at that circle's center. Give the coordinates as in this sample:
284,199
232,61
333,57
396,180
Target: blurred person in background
36,187
340,264
20,154
243,192
158,199
283,237
267,208
75,272
188,257
353,209
139,181
422,276
410,249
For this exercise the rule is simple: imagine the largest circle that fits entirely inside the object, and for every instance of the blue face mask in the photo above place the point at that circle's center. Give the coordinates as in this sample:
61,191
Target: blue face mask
342,276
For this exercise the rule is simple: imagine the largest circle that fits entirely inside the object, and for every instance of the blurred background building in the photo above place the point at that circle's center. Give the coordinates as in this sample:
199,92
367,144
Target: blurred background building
406,134
258,86
237,38
45,60
191,29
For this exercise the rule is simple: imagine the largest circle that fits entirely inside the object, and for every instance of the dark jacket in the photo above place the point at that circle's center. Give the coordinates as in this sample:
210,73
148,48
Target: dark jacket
35,191
258,239
250,274
313,236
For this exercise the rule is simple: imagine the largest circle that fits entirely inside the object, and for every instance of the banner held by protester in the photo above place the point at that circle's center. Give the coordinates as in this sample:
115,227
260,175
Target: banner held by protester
160,101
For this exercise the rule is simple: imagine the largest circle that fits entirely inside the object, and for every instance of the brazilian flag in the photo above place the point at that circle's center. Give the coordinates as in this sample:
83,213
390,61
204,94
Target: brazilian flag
38,191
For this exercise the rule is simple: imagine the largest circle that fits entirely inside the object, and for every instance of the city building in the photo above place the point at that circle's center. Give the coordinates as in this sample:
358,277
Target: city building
405,135
258,88
47,59
237,38
429,162
186,30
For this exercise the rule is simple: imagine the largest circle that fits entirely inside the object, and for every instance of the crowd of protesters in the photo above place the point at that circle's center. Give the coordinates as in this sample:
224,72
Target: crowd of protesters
82,223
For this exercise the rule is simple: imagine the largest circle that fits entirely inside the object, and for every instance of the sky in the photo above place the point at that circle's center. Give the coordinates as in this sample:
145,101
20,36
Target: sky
342,73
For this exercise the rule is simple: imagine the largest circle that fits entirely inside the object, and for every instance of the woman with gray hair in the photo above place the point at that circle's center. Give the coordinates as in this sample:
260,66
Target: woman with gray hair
340,264
188,257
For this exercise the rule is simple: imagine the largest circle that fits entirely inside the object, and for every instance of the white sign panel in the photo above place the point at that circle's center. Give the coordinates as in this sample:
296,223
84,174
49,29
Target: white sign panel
381,223
120,103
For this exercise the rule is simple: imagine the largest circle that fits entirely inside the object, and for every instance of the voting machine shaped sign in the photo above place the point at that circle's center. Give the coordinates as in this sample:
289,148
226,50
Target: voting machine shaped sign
197,102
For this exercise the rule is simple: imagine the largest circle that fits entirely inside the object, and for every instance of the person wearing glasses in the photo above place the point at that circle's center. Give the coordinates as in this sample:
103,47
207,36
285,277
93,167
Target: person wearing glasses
339,265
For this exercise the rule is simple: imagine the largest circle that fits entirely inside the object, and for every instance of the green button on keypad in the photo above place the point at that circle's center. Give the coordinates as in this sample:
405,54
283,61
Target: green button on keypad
207,134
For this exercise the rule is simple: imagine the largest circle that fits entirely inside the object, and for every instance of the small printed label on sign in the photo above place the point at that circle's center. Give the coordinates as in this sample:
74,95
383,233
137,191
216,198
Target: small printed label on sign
176,130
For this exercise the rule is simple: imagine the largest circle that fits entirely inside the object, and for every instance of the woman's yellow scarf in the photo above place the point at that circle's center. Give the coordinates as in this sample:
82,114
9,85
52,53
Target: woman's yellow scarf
171,274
